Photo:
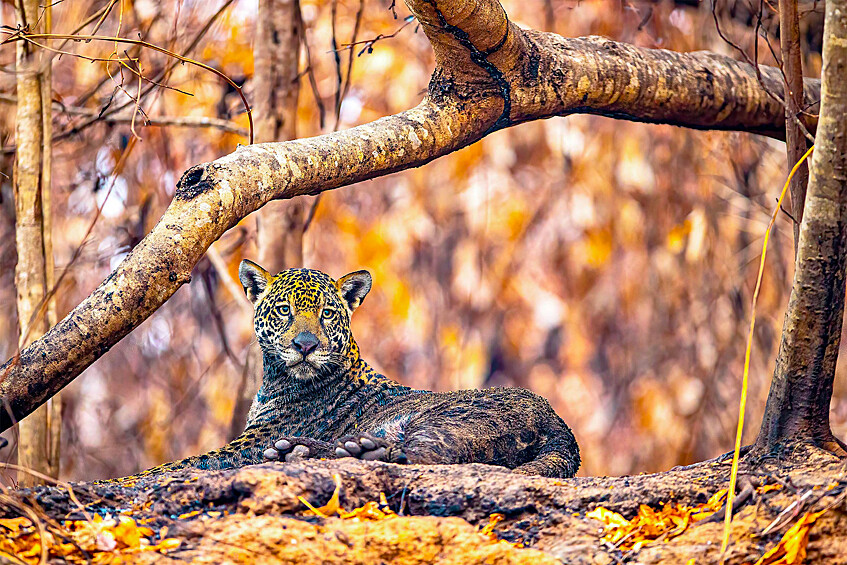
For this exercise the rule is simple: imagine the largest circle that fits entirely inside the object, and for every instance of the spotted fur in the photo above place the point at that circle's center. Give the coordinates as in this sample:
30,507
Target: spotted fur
319,399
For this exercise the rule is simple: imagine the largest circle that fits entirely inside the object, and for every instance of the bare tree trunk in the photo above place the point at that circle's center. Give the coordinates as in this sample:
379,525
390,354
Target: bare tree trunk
800,393
280,224
277,88
795,141
39,433
54,405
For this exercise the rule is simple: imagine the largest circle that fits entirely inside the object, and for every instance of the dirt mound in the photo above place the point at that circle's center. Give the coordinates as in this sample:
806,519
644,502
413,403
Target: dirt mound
348,511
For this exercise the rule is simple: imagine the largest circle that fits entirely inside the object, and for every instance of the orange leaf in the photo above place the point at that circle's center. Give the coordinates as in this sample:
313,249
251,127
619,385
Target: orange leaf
791,549
15,524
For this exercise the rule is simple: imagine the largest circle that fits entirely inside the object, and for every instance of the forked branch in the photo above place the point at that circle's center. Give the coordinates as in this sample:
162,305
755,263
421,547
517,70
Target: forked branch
489,74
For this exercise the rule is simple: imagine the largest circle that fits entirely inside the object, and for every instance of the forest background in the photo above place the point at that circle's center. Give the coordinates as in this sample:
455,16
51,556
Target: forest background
606,265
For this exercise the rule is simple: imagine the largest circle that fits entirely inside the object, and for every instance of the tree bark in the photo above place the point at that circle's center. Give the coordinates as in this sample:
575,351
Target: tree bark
277,88
798,403
280,225
38,436
54,404
490,74
795,141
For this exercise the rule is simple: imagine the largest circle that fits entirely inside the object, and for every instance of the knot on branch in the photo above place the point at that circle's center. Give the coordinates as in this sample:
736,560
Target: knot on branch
478,51
194,182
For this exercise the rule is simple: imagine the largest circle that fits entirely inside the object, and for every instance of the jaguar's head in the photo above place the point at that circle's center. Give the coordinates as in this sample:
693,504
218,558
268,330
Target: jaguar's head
302,318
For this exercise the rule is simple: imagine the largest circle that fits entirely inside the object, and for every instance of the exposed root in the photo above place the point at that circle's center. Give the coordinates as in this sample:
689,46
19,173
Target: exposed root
801,451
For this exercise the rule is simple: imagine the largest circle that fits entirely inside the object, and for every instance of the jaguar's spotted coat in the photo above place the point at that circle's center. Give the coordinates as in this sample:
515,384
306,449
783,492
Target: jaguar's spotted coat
319,399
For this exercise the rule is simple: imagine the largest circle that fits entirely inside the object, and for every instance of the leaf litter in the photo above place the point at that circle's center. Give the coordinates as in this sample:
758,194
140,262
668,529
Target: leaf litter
103,539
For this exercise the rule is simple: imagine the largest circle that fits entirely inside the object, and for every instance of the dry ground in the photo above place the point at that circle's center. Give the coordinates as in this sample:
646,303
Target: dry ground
438,514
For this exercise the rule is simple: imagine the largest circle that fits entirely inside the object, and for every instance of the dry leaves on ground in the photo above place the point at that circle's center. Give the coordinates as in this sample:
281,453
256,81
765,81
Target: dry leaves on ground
99,540
653,525
791,549
369,511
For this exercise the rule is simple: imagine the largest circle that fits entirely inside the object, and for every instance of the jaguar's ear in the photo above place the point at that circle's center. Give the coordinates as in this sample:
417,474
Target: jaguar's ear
254,279
354,287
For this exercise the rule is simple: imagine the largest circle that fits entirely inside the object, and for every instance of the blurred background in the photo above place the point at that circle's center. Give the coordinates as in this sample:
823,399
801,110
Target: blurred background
606,265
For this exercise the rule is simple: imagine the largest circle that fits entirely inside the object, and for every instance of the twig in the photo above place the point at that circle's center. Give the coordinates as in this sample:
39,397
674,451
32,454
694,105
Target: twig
160,76
730,493
22,36
752,63
369,43
611,550
747,492
218,319
33,517
755,65
337,58
50,479
356,27
797,503
219,264
155,121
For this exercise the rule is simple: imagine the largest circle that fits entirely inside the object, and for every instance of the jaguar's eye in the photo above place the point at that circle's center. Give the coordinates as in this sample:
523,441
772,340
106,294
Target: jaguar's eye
285,309
327,313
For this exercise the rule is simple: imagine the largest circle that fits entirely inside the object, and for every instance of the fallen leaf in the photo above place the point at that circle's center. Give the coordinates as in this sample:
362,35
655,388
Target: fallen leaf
330,507
650,524
15,524
791,549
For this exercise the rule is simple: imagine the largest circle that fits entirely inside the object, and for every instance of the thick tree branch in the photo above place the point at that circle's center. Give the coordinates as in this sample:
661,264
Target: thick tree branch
543,74
490,74
699,90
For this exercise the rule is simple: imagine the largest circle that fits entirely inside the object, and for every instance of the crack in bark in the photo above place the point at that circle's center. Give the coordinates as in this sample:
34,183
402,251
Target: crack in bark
480,58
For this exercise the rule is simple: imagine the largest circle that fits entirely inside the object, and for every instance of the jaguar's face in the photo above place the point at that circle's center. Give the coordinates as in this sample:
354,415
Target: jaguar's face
302,317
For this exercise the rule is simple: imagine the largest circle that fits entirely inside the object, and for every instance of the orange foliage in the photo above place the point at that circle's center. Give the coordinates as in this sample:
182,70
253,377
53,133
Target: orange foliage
370,511
652,525
604,264
106,540
791,549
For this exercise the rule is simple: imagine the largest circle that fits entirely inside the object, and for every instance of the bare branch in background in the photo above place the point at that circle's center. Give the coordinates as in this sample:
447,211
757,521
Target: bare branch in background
154,121
157,79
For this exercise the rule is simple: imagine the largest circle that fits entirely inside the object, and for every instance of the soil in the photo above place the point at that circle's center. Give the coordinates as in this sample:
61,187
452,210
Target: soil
254,514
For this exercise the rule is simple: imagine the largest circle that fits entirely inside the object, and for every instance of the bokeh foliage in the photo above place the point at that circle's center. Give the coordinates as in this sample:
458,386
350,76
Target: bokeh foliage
604,264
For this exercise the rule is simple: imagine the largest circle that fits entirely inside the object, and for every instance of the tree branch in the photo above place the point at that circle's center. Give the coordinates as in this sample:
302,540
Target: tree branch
489,74
157,121
795,141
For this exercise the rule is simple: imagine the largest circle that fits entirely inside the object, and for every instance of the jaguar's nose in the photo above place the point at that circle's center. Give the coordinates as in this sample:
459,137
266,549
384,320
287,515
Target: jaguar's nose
305,343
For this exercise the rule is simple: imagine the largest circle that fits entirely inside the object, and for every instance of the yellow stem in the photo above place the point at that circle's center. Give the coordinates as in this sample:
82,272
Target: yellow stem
730,494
